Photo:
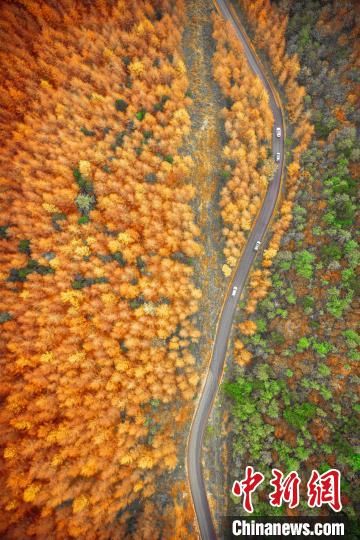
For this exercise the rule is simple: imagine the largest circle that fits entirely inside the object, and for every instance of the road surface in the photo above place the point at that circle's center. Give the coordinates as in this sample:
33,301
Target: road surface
209,390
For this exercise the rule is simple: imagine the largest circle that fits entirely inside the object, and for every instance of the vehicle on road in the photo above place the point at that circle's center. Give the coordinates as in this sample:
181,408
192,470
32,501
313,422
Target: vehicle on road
277,157
227,314
278,132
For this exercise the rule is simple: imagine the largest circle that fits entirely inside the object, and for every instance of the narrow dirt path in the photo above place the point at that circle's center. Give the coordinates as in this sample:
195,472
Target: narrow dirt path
205,146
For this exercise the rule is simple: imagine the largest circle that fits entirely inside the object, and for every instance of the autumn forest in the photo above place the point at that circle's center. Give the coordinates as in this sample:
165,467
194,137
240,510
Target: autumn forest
136,153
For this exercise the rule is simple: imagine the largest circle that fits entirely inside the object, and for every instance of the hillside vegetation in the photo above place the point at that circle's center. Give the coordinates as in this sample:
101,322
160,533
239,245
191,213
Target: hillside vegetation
294,391
248,126
99,240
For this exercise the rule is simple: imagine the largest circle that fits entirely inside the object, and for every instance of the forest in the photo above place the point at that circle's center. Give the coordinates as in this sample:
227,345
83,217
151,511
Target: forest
248,126
104,289
293,393
97,227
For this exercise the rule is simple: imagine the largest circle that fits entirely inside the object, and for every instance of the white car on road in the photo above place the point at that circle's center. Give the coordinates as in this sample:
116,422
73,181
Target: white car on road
278,132
257,245
234,291
277,157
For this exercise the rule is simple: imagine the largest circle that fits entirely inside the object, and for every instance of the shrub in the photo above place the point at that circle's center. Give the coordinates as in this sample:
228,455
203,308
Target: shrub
160,105
181,257
337,304
352,338
3,231
119,258
4,317
303,263
87,132
21,274
24,246
83,220
80,282
121,105
331,252
303,344
298,415
322,348
140,115
324,370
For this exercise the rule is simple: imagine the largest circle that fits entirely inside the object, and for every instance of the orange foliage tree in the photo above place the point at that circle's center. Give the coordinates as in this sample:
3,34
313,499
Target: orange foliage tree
248,125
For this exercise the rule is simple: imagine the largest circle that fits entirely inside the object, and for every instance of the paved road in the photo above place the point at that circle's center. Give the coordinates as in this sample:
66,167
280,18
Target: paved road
225,320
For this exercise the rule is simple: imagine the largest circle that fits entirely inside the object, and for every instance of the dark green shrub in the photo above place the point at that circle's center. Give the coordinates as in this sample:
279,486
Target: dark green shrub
80,282
21,274
24,246
121,105
160,105
3,231
87,132
119,258
137,302
4,317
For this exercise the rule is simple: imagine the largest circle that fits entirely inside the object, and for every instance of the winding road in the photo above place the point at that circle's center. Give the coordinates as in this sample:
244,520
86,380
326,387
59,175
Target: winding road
212,381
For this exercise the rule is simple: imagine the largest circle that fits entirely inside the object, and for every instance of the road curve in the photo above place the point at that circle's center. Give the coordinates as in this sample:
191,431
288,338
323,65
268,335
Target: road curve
210,387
